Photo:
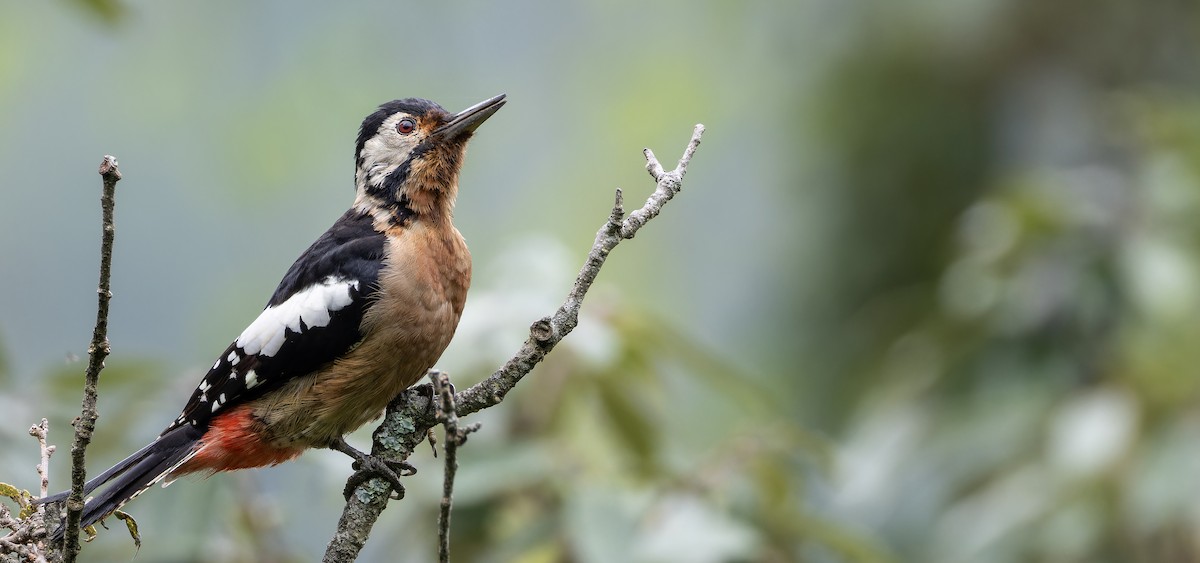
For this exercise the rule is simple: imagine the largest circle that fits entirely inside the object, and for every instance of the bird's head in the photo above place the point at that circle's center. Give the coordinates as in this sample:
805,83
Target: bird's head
408,156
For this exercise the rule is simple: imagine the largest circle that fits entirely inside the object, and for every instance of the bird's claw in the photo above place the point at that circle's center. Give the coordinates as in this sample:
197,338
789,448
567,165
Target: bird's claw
367,467
371,467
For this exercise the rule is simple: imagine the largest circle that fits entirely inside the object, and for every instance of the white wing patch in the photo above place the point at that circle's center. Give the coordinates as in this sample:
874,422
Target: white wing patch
313,305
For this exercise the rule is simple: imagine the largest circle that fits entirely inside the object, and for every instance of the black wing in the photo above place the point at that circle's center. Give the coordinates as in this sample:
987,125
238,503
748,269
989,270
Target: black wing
311,320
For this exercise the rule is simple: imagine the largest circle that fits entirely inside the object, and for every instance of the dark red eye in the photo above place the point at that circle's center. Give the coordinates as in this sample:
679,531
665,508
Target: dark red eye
406,126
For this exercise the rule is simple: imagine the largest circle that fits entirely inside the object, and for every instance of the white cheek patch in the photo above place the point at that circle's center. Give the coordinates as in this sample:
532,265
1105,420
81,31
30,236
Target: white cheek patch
378,172
379,160
313,306
385,151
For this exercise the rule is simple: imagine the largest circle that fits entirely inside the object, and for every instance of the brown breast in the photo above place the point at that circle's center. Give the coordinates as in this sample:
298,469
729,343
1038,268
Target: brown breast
422,290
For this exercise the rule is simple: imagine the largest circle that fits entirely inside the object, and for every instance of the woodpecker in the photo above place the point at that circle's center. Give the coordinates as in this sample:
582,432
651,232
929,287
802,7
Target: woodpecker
358,318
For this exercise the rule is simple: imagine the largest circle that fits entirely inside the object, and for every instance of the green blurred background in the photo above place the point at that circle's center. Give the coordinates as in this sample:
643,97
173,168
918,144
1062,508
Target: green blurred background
930,292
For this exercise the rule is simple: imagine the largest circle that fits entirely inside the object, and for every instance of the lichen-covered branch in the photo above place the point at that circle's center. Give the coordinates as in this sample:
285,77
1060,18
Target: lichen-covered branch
27,528
97,352
410,415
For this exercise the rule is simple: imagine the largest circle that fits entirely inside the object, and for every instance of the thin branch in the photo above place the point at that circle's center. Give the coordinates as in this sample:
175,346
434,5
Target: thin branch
411,414
447,412
41,431
548,331
97,352
42,517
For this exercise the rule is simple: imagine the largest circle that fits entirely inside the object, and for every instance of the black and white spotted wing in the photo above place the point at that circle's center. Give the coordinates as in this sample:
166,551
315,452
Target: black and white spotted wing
312,319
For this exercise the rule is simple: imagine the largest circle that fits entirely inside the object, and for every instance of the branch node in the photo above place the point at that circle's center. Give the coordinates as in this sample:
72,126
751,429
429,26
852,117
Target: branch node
108,168
618,211
542,331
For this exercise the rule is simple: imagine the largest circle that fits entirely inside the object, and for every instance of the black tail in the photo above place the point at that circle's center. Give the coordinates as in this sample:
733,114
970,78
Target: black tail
132,475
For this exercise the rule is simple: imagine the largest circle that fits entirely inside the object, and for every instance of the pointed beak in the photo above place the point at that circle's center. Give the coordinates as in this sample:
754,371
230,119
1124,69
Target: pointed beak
467,120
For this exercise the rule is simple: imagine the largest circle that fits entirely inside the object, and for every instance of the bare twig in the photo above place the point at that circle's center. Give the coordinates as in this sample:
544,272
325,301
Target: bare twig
548,331
447,412
40,431
411,414
97,352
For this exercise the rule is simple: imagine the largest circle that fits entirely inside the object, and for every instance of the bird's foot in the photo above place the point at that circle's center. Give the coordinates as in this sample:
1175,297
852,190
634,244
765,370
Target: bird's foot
368,467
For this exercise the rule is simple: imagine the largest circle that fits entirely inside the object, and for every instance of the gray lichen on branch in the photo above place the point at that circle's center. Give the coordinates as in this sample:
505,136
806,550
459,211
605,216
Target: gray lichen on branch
411,415
26,540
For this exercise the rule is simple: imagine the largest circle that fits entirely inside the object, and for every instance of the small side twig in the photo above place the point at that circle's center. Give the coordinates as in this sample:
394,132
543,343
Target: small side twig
41,431
97,352
455,437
